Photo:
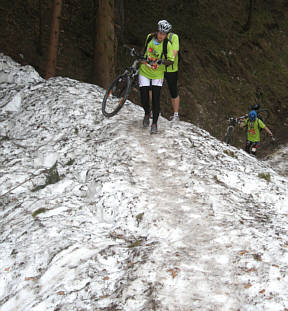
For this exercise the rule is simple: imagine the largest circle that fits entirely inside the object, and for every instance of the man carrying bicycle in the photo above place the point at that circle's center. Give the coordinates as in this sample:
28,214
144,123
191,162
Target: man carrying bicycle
151,73
254,125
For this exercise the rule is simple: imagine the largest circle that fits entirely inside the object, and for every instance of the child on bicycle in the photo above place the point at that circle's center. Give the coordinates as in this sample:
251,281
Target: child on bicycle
253,125
151,73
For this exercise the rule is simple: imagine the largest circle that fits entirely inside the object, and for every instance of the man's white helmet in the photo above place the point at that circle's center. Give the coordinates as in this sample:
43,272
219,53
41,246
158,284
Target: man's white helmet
164,26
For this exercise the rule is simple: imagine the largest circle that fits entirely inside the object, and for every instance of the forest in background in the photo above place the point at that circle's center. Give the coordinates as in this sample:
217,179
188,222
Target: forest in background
234,53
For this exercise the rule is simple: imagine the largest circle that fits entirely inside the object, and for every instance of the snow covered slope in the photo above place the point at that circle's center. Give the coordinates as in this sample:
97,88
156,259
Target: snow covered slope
279,160
97,214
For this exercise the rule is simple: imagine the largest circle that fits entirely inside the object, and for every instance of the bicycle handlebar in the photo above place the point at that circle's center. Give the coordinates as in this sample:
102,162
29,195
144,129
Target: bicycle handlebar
133,52
237,118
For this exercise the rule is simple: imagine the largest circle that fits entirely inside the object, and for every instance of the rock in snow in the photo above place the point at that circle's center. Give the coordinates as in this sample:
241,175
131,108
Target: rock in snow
97,214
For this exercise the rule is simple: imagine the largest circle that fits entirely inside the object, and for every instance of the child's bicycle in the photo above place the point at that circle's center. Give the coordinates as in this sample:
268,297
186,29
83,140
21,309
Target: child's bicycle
262,114
120,88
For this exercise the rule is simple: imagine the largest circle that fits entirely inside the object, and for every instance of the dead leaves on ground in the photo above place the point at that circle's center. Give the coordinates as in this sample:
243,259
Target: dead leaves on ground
174,272
251,270
248,285
243,252
31,278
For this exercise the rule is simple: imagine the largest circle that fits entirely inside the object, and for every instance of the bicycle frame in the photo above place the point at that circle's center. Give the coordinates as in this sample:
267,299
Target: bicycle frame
132,71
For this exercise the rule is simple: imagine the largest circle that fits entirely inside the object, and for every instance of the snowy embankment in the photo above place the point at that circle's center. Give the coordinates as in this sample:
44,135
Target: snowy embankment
279,160
97,214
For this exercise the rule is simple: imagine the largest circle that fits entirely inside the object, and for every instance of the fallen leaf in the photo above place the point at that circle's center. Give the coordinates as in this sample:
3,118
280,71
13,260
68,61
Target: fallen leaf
248,285
7,269
262,291
106,278
243,252
275,266
103,297
251,270
30,278
61,292
257,257
173,272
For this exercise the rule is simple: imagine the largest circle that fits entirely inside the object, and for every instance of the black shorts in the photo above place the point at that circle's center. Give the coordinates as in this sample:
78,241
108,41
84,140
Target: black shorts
172,79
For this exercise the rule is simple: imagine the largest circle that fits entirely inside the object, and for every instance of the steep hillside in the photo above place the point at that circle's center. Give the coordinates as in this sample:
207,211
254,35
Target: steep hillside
97,214
227,65
230,61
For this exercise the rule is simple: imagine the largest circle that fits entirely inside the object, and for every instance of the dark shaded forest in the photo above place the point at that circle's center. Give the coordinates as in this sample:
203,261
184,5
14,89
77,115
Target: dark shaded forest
234,53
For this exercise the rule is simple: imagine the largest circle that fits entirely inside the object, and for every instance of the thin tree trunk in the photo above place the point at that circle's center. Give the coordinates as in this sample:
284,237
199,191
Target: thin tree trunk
54,38
120,19
104,57
250,15
40,30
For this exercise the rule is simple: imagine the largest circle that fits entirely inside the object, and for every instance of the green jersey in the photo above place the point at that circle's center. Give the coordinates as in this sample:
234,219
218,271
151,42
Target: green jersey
154,52
174,39
253,129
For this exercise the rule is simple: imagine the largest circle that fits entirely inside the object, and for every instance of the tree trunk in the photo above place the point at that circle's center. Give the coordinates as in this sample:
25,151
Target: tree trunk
54,38
120,19
247,26
104,53
39,32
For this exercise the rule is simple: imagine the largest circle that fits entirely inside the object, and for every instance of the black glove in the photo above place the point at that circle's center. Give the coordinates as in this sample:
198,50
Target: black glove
159,62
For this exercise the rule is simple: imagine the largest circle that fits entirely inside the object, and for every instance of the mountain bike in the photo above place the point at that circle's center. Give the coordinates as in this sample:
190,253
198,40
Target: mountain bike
262,114
118,91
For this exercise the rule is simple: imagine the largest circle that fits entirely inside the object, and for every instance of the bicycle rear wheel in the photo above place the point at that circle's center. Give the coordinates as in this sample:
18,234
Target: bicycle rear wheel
116,95
229,135
263,114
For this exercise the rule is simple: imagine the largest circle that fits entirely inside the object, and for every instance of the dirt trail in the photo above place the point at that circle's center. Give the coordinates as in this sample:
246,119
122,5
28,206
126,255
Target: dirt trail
186,220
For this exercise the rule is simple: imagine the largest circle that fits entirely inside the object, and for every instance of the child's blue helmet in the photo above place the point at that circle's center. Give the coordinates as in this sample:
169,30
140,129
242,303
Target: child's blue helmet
252,115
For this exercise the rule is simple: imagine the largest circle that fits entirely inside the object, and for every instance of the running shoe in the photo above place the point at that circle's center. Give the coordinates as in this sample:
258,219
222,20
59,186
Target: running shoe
153,129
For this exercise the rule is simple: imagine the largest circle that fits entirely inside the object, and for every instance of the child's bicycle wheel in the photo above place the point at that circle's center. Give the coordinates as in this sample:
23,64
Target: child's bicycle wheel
116,95
229,135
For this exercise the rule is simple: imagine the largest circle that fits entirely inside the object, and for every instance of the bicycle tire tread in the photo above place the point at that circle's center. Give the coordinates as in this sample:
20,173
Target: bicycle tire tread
122,100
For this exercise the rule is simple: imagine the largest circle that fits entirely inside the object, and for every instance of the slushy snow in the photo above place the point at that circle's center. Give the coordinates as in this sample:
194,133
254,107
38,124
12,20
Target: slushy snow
97,214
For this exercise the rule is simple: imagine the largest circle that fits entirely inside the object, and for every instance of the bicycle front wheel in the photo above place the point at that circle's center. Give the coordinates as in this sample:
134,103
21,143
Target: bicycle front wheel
229,135
116,95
